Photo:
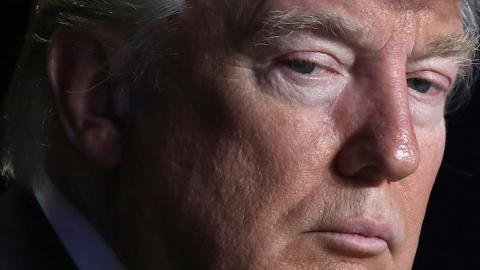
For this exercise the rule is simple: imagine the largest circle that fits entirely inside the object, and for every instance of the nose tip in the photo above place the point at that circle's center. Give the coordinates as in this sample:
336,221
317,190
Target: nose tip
380,153
404,157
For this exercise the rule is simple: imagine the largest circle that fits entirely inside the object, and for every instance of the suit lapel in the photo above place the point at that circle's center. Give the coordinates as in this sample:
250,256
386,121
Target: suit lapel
27,241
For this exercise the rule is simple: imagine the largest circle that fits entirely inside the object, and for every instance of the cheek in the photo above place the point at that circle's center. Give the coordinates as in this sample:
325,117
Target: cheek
274,151
427,113
431,145
414,191
232,184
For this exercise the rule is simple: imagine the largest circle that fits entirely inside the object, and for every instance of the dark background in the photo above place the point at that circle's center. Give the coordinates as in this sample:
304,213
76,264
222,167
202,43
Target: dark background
451,233
13,24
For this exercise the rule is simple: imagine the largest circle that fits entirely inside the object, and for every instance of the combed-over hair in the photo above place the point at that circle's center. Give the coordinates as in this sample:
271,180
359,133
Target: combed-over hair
471,22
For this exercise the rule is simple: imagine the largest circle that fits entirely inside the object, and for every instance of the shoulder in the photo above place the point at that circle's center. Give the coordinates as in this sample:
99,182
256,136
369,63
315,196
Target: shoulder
26,239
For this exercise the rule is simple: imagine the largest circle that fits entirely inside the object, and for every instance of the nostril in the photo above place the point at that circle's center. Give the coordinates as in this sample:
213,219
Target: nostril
370,175
353,158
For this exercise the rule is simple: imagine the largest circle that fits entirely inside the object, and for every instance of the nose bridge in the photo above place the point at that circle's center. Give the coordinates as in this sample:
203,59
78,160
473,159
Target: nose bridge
393,132
383,141
391,119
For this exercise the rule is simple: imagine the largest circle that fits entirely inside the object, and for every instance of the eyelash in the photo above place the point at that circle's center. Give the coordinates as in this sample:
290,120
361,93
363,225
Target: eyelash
439,84
412,81
305,67
295,64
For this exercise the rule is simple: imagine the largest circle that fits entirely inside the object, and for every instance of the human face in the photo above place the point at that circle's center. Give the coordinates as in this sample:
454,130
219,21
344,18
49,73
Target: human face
302,134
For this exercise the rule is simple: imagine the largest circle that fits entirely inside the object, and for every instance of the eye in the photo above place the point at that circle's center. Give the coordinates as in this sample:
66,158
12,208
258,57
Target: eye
301,66
419,85
304,77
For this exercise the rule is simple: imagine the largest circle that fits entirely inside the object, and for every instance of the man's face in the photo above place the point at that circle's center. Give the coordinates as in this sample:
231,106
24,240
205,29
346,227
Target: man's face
300,134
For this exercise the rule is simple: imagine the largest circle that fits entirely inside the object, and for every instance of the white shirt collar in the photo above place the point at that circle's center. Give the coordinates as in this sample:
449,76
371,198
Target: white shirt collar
85,245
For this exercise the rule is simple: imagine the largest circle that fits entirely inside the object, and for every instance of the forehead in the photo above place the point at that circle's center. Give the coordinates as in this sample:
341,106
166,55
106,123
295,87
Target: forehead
367,7
377,12
426,17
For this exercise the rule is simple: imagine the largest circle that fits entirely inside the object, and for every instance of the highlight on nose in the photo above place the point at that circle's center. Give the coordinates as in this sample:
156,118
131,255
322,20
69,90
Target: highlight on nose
403,159
390,154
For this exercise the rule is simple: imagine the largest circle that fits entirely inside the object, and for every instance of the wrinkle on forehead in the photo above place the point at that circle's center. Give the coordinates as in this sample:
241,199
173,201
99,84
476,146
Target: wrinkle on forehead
401,5
407,15
384,18
226,24
371,10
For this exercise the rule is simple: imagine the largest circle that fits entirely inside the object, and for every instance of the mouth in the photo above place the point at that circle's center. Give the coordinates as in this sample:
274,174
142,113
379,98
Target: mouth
358,238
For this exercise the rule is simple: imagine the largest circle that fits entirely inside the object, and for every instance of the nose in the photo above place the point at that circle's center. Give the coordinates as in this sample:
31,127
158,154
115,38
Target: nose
380,141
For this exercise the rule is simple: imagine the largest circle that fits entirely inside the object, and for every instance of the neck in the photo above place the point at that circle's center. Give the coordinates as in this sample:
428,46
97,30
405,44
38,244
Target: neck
111,204
90,190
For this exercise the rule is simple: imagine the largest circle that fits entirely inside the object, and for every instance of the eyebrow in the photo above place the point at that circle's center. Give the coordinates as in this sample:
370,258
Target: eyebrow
283,23
279,24
461,47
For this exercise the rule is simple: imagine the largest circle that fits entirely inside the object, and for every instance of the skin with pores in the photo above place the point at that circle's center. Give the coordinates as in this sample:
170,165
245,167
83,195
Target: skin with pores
279,174
309,152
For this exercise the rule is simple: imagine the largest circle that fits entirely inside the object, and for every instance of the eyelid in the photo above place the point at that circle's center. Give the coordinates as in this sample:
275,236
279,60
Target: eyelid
446,67
439,81
301,42
321,59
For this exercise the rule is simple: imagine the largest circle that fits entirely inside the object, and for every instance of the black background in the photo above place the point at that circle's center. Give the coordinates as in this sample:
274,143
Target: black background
450,237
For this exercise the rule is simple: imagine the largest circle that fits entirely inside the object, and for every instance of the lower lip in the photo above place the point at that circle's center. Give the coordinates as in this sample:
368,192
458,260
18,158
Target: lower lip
354,244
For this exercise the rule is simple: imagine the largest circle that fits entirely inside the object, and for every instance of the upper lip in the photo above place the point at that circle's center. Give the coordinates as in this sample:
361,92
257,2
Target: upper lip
367,227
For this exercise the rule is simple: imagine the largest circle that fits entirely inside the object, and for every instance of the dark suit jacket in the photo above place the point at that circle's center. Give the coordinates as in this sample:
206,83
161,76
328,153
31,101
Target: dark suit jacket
27,241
